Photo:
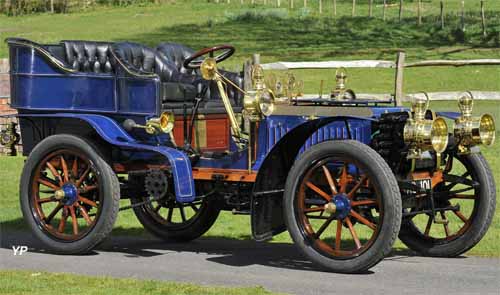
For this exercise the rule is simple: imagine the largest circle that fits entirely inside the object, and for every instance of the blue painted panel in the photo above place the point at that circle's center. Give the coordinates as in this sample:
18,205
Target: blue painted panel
138,95
29,61
63,92
110,131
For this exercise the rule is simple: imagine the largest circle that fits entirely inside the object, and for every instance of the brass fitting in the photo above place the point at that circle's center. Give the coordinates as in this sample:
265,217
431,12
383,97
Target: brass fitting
424,134
471,131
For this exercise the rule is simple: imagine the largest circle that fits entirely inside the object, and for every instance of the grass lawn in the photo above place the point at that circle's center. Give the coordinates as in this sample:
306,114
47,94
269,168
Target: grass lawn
237,226
14,282
298,35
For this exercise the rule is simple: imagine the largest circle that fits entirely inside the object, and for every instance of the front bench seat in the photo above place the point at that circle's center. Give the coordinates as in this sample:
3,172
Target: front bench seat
178,53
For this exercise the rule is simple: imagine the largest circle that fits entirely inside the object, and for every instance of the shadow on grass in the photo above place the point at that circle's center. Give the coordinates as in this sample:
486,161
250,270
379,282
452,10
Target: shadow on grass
312,38
135,243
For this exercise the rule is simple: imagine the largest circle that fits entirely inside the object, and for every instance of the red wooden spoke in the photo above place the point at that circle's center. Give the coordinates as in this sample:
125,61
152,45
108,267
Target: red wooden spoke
58,208
157,208
62,223
183,214
323,227
87,201
343,179
82,177
363,220
338,234
74,168
461,216
47,183
356,187
445,225
195,209
316,209
318,191
84,213
89,188
428,226
55,173
353,233
463,196
74,221
330,179
46,200
363,202
170,213
65,169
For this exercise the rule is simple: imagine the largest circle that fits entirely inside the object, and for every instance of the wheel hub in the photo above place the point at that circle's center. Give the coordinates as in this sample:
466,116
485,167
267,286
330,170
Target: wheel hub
68,194
339,206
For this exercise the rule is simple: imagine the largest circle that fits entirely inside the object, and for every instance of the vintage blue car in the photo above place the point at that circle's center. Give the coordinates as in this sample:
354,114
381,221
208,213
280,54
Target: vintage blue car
183,140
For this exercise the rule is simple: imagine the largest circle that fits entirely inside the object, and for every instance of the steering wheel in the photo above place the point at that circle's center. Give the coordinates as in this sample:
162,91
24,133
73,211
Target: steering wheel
192,63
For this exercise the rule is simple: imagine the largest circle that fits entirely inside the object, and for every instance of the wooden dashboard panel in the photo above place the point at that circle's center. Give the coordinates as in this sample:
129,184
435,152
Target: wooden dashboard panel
210,132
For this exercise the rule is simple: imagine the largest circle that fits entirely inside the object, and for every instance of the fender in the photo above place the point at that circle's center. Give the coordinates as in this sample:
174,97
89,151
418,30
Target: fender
112,133
267,216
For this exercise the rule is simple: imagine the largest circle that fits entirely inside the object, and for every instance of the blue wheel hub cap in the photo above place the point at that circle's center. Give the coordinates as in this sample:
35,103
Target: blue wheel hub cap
70,194
343,206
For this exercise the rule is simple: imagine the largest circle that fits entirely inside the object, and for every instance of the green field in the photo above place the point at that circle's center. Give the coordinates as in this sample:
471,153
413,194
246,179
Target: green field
296,35
14,282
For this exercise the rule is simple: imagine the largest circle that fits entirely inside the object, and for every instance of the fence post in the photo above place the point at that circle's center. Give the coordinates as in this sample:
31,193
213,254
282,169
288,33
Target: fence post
419,12
353,8
279,3
370,8
334,7
291,4
398,90
384,10
463,16
441,5
483,19
305,3
320,7
400,10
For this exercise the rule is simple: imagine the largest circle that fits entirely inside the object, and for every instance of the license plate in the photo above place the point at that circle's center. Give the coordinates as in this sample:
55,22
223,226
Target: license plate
425,184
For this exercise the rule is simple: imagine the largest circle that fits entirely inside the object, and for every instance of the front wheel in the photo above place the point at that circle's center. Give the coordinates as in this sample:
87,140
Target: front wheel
342,206
69,195
468,204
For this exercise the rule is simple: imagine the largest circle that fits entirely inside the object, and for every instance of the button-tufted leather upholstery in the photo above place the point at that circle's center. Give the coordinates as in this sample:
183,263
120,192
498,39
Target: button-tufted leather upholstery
88,56
177,54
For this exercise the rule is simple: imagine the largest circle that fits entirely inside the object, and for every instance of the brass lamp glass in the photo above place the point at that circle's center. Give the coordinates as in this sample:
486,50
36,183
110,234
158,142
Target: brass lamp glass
439,135
487,129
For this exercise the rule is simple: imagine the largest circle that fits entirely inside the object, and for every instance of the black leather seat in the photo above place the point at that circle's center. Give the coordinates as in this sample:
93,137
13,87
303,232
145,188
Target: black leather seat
178,53
88,56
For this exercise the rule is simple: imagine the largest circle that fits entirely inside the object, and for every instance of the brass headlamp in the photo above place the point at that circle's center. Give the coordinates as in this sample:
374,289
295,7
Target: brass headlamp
259,101
470,131
424,134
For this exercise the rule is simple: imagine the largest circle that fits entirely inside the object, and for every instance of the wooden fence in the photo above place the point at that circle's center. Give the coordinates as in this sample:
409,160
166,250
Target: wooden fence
405,8
399,65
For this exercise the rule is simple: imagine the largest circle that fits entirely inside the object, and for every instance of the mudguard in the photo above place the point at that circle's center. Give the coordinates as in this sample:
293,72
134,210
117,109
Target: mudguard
111,132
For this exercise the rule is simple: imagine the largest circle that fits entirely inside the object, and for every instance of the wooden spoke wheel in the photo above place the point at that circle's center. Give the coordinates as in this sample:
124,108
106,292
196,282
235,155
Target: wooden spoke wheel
341,206
465,206
174,221
65,194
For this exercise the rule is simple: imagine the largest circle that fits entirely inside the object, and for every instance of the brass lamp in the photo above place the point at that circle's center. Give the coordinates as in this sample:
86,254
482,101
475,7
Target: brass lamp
259,101
163,124
424,134
470,131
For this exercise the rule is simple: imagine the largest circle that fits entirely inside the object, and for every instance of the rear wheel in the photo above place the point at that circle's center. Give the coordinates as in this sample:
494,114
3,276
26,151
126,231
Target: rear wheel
342,206
174,221
69,195
470,202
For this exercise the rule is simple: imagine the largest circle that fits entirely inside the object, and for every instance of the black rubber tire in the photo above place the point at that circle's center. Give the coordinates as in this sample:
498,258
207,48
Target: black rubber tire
110,185
483,217
378,171
209,211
